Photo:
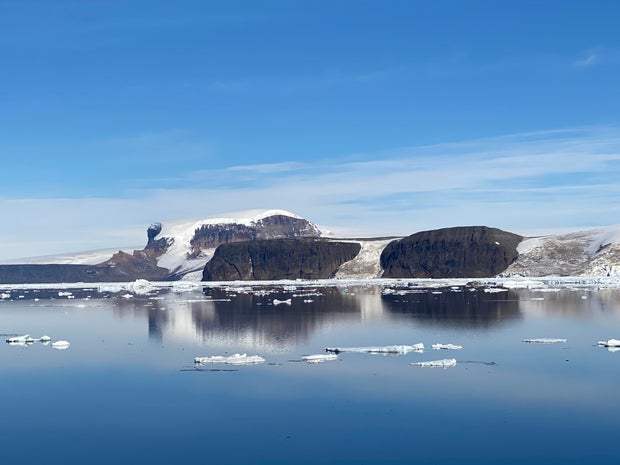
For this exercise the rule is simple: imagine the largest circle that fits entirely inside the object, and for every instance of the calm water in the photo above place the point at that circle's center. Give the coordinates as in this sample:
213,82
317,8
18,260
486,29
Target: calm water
127,390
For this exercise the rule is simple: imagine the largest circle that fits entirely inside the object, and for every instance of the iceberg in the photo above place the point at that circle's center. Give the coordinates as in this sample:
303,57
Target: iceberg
446,347
397,349
545,340
319,358
444,363
236,359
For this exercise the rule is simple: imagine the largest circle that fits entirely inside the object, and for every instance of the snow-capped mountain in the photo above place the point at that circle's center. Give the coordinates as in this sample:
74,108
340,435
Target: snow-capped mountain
184,248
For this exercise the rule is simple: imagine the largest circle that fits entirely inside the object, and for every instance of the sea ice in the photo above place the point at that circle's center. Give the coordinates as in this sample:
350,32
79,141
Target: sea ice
609,343
19,339
446,347
444,363
397,349
319,358
236,359
278,302
545,340
61,345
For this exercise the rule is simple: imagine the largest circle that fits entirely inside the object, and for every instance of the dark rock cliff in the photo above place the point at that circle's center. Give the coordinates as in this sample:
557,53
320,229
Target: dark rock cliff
461,252
278,259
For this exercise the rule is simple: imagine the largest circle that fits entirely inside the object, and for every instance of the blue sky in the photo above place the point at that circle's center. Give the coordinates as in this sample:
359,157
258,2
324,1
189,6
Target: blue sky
368,117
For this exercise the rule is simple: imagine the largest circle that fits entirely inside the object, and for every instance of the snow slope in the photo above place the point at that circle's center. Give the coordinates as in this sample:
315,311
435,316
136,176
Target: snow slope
594,252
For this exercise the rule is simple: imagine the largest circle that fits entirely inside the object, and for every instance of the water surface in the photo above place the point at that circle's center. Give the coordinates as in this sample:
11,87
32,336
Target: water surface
127,388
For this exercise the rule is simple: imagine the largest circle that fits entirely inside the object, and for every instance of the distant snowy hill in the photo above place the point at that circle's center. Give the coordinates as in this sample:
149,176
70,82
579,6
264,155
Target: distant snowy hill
594,252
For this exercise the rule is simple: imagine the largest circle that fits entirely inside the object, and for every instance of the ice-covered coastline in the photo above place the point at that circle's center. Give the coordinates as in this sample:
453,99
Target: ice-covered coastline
549,282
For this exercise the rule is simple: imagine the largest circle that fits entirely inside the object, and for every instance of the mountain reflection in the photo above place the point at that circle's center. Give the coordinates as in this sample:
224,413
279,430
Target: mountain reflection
279,318
456,307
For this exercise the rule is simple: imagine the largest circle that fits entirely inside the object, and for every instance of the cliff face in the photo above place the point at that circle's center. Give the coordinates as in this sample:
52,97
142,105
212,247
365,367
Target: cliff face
208,236
278,259
461,252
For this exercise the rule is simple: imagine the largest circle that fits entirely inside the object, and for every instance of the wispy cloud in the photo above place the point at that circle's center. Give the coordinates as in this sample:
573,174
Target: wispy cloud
521,182
590,60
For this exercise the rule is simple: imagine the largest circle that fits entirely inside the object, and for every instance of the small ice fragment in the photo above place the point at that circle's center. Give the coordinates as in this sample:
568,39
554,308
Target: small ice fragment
609,343
278,302
444,363
45,338
64,294
319,358
61,345
236,359
545,340
446,347
141,287
127,296
19,339
5,295
397,349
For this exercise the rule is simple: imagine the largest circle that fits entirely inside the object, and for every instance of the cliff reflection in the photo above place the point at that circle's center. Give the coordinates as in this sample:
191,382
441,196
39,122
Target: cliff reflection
279,318
456,307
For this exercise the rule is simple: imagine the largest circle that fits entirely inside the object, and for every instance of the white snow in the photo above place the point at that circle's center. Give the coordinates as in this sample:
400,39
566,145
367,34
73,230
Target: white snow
444,363
91,257
446,347
366,264
545,340
236,359
396,349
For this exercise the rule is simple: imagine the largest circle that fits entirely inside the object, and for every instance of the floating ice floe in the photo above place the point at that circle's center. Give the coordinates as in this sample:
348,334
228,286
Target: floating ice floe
141,287
19,339
61,345
398,349
319,358
444,363
446,347
609,343
236,359
545,340
278,302
613,345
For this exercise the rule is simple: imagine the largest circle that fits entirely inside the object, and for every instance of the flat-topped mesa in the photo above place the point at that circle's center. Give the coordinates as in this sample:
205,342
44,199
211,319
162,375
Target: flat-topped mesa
276,226
460,252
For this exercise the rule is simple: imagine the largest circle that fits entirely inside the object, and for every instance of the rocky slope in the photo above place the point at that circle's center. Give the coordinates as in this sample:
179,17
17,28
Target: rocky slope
594,252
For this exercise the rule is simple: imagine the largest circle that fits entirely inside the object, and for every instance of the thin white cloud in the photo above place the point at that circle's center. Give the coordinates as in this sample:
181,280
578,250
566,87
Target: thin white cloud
588,61
523,182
